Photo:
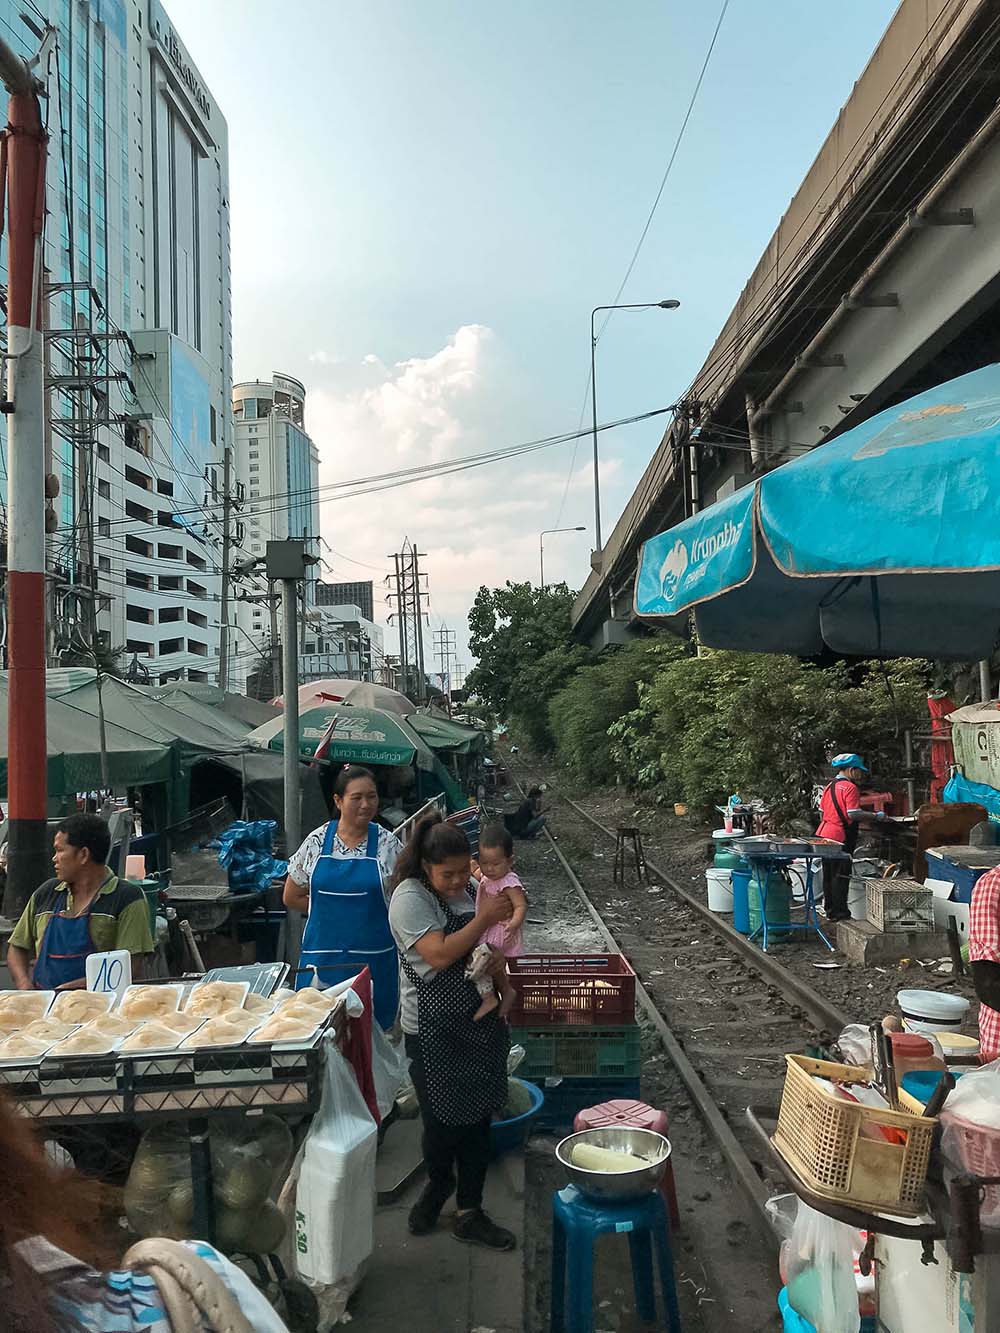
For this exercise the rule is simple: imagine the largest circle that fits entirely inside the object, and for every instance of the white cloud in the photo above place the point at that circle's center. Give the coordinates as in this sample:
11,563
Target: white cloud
476,526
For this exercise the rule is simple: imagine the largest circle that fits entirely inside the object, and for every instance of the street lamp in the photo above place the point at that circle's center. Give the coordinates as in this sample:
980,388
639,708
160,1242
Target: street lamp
642,305
541,553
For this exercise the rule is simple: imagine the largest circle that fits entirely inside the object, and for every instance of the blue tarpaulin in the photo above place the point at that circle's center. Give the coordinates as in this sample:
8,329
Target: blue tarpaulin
884,542
961,789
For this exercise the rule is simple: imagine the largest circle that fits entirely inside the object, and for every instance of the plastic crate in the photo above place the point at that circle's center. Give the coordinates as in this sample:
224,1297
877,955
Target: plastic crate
896,905
580,1052
584,990
566,1097
819,1136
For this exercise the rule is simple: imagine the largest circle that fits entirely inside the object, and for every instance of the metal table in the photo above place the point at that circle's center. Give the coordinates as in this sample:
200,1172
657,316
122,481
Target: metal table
766,854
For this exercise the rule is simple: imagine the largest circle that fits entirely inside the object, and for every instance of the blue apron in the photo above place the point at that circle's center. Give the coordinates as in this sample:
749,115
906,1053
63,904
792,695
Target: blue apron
66,945
347,908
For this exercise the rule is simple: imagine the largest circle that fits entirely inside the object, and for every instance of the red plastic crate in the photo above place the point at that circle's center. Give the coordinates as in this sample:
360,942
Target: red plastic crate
556,990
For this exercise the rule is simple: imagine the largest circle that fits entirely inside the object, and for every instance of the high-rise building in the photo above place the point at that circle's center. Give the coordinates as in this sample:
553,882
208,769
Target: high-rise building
139,336
277,465
360,594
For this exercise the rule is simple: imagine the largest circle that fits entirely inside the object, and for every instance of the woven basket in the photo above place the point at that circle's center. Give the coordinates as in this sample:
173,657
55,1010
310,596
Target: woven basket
820,1137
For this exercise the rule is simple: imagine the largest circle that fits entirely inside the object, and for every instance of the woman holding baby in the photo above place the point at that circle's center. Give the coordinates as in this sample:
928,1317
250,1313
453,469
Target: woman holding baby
458,1054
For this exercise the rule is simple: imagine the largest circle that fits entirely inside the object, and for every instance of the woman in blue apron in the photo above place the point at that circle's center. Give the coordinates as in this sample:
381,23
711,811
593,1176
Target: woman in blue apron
340,876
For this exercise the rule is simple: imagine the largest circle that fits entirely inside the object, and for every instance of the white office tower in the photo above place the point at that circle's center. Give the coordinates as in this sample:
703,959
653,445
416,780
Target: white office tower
276,465
139,339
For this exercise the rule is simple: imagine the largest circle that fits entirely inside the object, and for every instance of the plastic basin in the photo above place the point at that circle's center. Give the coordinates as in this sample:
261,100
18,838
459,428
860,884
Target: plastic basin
506,1135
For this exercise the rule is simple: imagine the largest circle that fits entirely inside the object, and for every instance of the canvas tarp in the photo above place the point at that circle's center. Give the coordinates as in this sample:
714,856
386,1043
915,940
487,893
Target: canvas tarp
441,733
74,750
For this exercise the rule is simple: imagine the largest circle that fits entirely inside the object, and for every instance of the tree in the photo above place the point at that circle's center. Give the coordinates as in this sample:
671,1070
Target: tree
521,636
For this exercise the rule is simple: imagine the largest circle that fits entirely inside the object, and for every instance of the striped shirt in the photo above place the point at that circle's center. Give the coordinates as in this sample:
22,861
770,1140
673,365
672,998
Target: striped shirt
119,917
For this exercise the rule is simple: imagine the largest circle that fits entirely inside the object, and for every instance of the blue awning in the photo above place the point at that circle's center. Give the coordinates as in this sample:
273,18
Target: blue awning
885,542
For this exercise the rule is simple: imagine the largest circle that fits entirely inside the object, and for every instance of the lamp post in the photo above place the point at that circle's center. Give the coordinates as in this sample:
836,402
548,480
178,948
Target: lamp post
642,305
541,550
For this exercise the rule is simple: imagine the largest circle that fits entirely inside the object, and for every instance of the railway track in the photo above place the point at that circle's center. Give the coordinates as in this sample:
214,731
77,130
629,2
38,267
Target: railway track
724,1011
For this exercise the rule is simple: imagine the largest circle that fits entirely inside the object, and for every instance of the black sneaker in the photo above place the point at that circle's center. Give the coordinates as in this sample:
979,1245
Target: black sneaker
425,1212
475,1228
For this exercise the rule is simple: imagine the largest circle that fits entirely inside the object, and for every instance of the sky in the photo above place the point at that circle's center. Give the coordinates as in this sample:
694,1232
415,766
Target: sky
428,197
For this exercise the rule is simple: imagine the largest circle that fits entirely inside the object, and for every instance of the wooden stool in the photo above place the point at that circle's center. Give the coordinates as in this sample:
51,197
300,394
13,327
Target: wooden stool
633,838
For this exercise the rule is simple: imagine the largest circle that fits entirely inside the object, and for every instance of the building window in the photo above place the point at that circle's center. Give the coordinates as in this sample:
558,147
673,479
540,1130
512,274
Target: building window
169,552
104,489
104,453
171,583
135,580
104,564
164,487
137,546
169,614
168,646
104,527
211,423
142,614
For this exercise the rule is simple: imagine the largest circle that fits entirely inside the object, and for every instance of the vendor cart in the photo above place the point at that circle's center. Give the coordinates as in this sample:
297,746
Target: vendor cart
192,1087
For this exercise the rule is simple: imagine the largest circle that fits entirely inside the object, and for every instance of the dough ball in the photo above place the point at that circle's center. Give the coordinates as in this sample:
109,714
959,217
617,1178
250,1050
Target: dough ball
113,1025
227,1030
150,1037
284,1027
214,997
182,1022
48,1030
19,1047
78,1006
87,1041
148,1002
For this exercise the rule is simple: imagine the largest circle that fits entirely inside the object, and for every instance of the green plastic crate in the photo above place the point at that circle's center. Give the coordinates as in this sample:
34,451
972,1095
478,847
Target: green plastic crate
576,1052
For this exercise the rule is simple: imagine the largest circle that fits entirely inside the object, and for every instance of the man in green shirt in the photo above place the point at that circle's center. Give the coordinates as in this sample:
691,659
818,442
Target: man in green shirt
86,909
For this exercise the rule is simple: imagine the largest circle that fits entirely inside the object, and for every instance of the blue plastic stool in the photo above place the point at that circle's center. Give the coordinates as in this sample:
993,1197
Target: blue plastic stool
576,1223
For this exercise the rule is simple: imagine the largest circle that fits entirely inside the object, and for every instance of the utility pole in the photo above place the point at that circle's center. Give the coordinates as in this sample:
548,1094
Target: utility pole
277,684
24,143
285,563
444,642
227,505
408,600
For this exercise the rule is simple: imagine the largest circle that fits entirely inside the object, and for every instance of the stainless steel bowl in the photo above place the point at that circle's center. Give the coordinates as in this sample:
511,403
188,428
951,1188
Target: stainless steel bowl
615,1185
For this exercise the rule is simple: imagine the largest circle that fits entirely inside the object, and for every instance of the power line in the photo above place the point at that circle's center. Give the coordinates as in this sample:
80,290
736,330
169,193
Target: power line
670,163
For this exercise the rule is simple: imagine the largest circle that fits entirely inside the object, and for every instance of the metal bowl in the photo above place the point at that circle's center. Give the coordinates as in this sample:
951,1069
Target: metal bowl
615,1185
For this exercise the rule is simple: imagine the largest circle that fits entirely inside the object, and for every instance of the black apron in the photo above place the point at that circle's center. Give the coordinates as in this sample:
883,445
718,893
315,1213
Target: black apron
851,829
465,1062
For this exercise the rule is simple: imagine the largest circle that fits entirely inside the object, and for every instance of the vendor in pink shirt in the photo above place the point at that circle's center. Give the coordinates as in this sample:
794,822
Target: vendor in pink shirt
840,811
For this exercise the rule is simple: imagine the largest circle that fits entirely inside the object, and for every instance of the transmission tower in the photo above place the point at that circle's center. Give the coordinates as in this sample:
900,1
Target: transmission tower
407,596
444,646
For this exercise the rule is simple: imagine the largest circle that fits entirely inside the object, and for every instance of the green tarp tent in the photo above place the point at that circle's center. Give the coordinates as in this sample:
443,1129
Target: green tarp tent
441,733
74,750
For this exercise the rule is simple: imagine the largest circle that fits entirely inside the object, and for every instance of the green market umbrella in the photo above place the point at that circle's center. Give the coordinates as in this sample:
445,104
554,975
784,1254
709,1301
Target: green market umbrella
354,735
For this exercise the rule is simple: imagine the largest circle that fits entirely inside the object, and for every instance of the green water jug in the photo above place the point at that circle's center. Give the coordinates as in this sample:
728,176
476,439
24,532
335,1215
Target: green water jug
778,898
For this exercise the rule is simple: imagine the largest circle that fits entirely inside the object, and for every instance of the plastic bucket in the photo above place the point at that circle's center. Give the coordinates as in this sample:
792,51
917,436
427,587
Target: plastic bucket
857,899
720,889
741,901
932,1011
506,1135
777,897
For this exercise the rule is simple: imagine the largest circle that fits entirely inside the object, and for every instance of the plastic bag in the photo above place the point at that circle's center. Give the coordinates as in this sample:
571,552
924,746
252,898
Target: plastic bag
970,1137
389,1070
817,1264
515,1059
335,1198
246,851
249,1158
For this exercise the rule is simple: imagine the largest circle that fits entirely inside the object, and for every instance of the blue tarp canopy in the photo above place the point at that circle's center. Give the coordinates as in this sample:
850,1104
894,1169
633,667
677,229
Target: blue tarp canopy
885,542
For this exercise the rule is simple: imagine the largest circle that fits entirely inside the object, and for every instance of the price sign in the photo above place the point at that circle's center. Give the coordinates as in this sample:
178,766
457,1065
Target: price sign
109,973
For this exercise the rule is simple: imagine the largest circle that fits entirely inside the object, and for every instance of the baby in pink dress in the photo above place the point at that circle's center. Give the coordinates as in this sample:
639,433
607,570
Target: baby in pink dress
496,876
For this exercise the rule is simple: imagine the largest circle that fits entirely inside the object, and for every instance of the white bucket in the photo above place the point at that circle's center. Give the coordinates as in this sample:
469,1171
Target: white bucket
720,889
857,899
932,1011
